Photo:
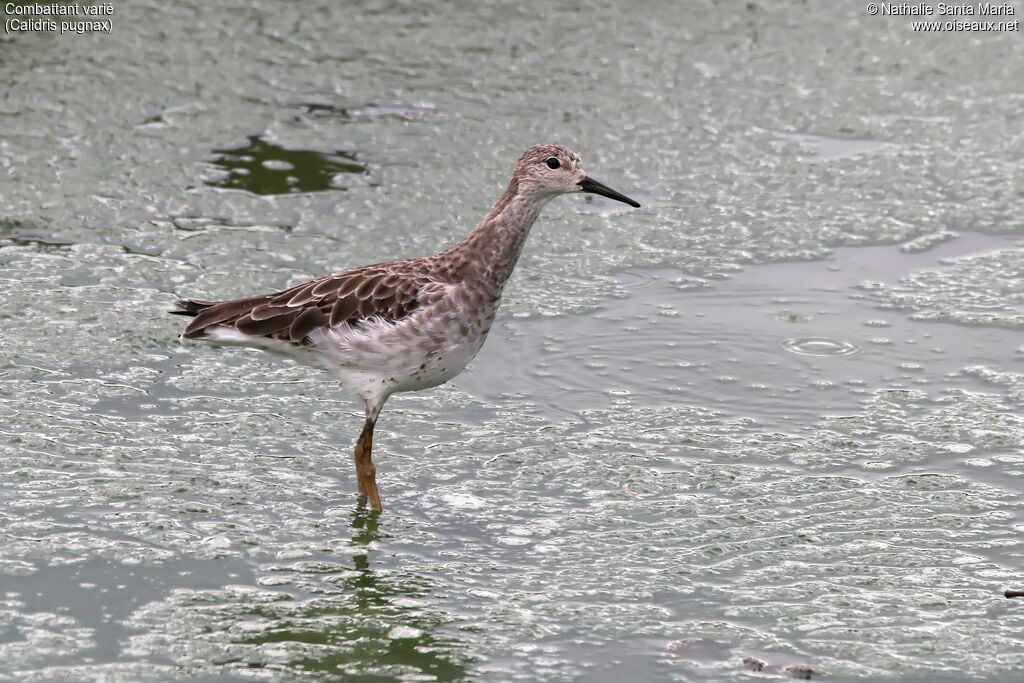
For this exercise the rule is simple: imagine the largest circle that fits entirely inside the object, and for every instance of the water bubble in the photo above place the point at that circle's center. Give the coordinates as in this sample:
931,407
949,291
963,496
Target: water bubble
820,346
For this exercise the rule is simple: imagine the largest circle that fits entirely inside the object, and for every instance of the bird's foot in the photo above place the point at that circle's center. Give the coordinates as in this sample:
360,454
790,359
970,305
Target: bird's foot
371,494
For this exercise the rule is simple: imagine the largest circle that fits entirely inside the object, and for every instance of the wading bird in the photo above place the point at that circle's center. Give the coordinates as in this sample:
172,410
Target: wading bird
401,325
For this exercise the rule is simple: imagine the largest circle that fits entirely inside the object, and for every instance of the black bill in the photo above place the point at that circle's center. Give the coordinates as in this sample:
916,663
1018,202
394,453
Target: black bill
588,184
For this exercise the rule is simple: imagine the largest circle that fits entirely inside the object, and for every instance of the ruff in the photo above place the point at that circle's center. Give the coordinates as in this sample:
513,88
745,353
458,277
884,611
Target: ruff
402,325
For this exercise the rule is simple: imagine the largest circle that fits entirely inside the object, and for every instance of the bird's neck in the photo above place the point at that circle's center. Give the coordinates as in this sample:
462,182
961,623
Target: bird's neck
489,253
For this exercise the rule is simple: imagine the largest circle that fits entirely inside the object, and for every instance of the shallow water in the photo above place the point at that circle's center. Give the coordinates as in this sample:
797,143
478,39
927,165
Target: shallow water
773,417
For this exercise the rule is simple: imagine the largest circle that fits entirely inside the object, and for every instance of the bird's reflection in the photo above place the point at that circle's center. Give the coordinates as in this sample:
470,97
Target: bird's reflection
363,618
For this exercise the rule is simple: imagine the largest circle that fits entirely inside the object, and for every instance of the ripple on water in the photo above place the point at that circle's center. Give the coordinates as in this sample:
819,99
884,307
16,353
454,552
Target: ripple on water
820,346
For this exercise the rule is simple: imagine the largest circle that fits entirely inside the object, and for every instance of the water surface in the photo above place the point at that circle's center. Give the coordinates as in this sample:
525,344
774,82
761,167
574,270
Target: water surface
772,417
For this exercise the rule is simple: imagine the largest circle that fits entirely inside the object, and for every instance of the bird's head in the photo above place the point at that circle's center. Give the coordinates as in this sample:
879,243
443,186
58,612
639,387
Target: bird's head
553,170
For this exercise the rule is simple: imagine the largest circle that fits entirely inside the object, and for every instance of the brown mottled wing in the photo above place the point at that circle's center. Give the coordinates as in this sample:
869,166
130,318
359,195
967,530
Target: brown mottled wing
389,291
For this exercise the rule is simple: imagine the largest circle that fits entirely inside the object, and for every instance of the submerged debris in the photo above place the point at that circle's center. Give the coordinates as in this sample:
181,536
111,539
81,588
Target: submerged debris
371,111
701,651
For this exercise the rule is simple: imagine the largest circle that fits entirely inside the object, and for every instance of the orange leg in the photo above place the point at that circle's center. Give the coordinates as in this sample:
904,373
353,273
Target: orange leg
366,472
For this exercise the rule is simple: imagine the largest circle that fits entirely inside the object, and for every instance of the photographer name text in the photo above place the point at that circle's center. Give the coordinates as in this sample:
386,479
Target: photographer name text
944,9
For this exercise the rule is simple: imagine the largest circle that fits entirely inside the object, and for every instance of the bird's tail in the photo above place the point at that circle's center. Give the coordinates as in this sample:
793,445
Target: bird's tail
190,307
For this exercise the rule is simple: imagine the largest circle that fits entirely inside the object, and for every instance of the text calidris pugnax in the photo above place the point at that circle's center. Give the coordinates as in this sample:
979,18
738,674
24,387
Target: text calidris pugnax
403,325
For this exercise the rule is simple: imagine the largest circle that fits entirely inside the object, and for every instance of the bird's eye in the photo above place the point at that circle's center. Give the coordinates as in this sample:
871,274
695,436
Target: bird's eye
553,163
